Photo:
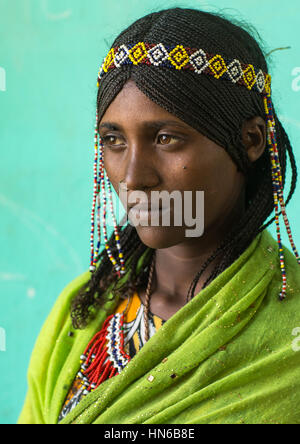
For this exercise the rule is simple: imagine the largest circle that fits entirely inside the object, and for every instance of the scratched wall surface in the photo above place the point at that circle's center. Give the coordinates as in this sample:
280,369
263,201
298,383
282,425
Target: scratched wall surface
49,56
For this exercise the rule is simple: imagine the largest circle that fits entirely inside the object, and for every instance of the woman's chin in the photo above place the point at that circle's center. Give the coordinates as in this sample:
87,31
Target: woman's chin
160,237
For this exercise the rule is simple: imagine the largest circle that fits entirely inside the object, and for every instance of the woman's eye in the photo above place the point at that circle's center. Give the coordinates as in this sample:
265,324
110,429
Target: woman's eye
167,139
112,140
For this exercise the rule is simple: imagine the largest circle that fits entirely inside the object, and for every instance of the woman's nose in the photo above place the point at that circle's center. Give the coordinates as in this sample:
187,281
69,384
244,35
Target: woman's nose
139,171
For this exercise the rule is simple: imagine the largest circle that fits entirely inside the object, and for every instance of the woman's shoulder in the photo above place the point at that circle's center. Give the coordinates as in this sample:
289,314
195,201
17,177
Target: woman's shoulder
292,273
276,320
291,265
281,318
60,311
57,343
59,315
72,288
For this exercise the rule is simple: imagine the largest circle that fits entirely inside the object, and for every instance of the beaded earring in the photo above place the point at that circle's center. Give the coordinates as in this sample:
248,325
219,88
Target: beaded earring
100,195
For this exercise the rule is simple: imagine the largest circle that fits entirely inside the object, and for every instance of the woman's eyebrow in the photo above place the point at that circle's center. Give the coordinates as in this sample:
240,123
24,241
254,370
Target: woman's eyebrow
110,126
155,124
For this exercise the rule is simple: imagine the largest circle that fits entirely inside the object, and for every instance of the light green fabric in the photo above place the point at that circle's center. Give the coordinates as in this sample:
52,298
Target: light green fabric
231,347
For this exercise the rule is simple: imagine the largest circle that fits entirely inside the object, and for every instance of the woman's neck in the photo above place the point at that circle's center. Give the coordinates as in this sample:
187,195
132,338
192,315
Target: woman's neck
177,266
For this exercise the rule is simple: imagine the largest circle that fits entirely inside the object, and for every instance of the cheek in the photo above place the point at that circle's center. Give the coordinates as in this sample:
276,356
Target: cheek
220,181
221,184
223,195
113,169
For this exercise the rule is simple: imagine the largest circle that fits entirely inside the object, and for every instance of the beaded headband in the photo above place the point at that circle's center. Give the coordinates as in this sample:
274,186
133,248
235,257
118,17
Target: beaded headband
200,62
196,60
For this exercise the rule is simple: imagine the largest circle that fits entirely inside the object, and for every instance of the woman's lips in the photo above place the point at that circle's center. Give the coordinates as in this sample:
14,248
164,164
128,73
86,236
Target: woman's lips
142,213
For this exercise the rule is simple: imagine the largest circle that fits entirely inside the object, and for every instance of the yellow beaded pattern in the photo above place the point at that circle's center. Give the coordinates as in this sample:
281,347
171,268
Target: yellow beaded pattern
138,53
180,57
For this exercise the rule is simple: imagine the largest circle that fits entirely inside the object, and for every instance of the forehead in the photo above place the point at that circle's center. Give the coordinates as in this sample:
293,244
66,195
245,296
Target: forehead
133,104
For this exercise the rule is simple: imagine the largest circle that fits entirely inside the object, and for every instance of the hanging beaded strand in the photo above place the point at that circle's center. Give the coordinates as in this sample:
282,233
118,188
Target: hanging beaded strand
116,266
116,233
95,193
100,179
278,191
99,185
273,142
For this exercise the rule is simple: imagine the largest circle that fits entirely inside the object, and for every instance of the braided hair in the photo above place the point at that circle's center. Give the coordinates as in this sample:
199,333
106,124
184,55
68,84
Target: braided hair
217,110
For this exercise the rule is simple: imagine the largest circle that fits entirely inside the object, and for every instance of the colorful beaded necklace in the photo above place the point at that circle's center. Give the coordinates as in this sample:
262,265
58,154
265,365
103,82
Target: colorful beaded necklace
104,356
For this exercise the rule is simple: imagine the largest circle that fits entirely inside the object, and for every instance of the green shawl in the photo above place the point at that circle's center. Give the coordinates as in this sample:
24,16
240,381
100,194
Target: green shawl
234,348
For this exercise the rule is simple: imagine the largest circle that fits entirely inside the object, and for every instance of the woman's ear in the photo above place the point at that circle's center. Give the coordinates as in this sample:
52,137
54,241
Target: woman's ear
254,136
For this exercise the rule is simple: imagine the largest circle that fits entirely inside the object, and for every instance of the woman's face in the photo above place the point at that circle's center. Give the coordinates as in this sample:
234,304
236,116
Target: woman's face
148,149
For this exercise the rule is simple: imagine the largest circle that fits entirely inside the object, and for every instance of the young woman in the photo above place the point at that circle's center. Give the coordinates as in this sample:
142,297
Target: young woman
169,326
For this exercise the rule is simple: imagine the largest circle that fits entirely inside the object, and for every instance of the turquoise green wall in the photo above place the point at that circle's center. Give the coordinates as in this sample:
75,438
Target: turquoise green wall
50,52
